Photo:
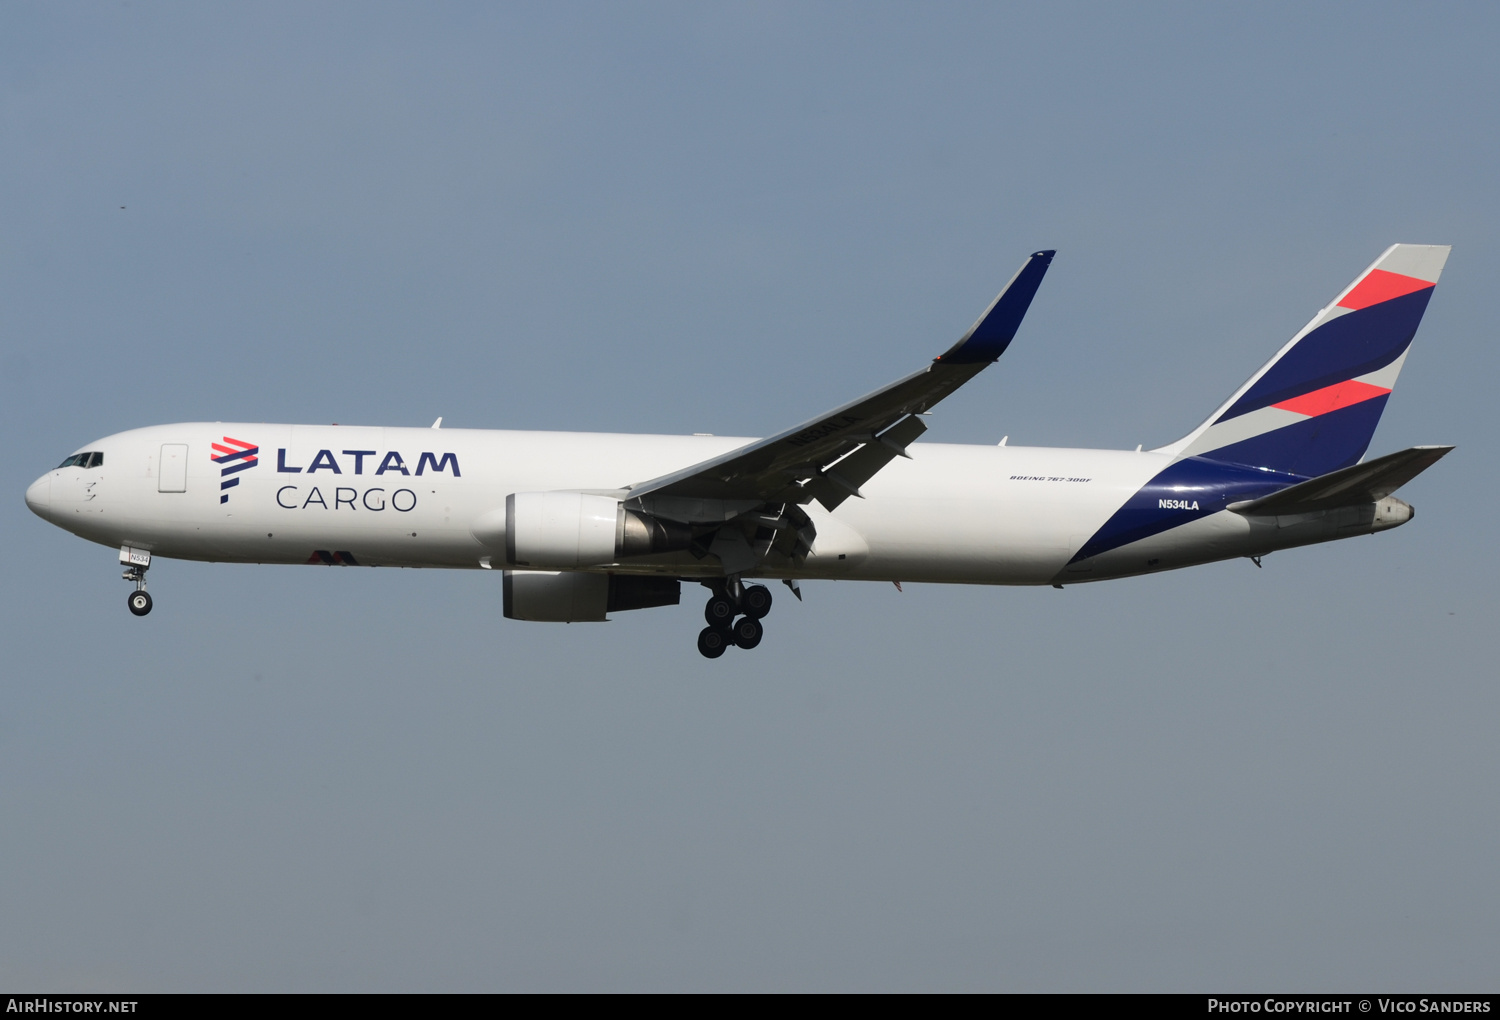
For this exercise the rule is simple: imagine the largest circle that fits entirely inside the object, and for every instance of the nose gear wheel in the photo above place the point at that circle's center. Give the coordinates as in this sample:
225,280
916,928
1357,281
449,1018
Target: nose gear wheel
137,562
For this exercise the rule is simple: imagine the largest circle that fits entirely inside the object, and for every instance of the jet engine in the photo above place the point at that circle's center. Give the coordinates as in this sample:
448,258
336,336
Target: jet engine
546,596
576,529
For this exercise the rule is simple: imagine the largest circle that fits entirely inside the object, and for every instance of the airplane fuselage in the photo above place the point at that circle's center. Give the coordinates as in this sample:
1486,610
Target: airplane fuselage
411,497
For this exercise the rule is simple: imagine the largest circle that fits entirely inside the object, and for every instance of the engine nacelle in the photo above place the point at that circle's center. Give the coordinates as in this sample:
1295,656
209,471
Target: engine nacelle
560,529
545,596
574,529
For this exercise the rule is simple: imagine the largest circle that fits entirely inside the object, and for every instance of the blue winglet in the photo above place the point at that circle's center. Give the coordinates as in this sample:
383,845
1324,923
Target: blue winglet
987,339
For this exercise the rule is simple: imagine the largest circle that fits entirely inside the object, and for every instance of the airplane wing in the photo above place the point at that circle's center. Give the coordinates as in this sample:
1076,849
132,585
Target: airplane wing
829,457
1360,483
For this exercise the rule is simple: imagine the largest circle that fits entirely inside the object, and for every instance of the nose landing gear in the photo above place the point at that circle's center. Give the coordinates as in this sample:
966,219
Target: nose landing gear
136,562
729,600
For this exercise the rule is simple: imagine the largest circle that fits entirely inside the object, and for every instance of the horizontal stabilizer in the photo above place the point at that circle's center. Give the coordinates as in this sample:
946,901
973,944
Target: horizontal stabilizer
1362,483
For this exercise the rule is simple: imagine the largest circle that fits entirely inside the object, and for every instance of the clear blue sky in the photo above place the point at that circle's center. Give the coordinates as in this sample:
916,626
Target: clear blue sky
715,218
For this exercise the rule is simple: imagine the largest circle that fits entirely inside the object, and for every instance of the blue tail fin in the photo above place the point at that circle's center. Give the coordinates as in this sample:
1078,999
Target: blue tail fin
1313,408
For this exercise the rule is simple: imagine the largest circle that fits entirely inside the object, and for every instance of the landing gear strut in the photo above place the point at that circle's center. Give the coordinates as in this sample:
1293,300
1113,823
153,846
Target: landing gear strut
136,562
731,599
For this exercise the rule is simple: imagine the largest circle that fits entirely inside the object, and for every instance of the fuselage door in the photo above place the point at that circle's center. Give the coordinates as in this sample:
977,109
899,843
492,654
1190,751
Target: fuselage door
173,474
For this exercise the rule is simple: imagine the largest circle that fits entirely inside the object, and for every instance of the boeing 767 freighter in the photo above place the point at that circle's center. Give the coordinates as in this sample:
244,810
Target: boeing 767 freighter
586,524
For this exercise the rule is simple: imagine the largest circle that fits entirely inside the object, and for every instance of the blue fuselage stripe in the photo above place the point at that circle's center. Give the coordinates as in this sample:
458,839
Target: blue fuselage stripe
1186,491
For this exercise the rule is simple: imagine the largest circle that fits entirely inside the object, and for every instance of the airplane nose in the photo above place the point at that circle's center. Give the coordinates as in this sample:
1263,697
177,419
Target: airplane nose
39,496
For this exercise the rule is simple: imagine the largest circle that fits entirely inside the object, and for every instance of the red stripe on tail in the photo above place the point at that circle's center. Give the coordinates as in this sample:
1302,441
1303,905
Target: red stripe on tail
1380,286
1331,398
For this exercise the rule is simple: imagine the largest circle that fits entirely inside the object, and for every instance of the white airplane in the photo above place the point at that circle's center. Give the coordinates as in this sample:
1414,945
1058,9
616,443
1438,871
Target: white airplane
586,524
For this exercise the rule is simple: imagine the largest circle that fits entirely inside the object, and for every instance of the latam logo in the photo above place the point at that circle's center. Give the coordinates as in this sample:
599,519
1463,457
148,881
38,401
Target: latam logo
235,455
324,460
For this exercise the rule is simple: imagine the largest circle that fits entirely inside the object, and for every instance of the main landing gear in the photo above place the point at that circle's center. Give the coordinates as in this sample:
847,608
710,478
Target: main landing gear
729,600
137,562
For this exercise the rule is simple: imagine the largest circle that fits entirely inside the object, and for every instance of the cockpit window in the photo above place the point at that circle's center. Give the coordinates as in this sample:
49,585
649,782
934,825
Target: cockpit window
92,459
